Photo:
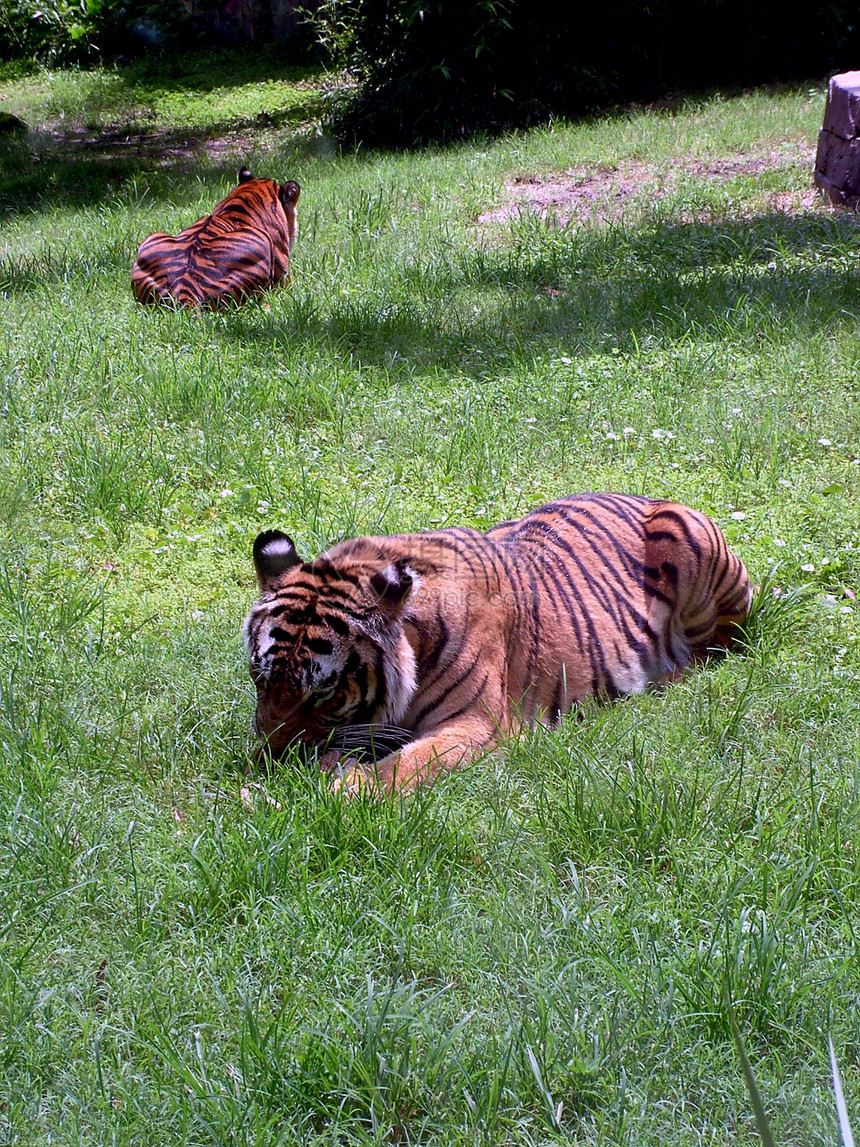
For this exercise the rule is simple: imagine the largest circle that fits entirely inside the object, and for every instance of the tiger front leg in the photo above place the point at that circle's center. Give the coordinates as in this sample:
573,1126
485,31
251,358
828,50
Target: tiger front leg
421,761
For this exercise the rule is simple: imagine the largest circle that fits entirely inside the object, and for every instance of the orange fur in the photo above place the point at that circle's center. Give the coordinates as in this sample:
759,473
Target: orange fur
457,639
242,247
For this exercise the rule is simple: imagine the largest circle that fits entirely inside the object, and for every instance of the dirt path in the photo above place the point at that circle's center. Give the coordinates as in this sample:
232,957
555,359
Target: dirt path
603,194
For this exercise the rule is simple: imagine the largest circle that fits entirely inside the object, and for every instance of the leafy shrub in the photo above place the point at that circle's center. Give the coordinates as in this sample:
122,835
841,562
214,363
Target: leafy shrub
436,71
29,28
431,70
76,30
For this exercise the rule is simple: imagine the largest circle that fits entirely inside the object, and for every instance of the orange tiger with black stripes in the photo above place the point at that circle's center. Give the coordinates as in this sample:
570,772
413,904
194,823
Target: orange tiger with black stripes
242,247
431,648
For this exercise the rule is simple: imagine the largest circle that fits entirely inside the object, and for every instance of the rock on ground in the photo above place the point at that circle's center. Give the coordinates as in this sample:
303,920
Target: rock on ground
837,164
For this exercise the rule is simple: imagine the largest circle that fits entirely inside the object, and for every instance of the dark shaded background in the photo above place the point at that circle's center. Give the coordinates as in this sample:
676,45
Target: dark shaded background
443,69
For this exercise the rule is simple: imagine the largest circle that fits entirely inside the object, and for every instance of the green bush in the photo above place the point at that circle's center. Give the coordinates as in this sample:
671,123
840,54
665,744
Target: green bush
437,71
29,28
431,70
77,30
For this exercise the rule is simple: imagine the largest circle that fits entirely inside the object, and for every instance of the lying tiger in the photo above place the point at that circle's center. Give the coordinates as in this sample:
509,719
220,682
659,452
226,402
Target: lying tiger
242,247
439,645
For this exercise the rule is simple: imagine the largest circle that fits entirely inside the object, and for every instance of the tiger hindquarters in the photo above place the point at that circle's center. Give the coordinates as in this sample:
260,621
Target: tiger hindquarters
148,282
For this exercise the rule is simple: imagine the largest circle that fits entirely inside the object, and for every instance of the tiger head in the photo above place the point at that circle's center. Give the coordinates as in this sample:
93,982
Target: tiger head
325,643
287,193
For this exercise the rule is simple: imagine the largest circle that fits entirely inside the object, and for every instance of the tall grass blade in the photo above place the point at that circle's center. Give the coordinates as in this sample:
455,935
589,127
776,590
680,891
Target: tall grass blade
749,1078
844,1124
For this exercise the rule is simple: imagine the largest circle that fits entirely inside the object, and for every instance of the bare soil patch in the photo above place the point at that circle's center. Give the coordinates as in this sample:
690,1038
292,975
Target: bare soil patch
157,147
603,194
142,140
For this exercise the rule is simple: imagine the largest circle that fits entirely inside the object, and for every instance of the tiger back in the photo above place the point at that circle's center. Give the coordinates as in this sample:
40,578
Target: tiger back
453,640
242,247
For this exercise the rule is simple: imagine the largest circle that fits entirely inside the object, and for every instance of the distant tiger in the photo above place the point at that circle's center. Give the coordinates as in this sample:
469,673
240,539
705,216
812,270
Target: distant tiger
242,247
436,646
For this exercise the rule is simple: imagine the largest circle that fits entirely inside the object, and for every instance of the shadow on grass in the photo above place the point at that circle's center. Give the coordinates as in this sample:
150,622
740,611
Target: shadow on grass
588,292
70,163
81,169
208,70
530,289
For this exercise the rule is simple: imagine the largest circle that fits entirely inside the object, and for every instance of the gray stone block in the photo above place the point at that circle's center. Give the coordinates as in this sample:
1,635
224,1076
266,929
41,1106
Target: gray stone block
837,163
842,114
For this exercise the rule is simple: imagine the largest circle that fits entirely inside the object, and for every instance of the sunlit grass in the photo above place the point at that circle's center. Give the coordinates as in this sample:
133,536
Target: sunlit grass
539,949
194,92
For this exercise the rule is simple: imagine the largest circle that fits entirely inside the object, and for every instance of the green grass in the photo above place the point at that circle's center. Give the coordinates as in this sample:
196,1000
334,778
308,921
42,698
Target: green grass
538,950
210,92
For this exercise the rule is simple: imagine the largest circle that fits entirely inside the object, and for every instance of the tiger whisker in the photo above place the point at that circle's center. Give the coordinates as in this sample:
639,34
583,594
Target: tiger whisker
376,740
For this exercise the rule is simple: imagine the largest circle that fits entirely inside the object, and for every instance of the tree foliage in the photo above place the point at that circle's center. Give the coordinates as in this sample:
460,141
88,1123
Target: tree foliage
440,69
76,30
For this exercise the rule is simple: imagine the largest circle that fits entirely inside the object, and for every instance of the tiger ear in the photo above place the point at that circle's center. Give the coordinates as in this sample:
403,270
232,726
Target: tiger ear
274,553
289,192
394,584
244,175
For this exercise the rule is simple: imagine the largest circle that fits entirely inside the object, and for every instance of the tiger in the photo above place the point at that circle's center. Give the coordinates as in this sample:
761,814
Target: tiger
242,247
438,646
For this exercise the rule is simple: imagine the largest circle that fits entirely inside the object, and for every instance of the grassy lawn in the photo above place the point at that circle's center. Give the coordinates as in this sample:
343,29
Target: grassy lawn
209,92
537,950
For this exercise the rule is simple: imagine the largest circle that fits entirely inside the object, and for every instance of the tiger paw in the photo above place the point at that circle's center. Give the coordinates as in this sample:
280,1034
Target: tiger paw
332,761
353,779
